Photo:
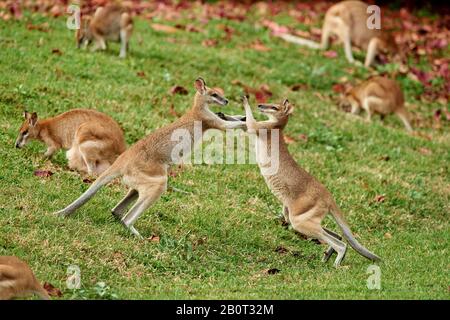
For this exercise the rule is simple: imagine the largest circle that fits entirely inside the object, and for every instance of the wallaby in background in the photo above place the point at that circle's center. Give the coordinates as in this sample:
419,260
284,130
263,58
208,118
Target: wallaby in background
109,23
143,167
348,21
17,280
379,95
305,200
93,139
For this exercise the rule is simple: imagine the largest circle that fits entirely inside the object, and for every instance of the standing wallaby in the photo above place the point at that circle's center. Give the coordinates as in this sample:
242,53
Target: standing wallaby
348,21
144,165
109,23
378,95
93,139
17,280
305,200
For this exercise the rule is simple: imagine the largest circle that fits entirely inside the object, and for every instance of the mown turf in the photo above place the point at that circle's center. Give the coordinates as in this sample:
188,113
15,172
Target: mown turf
217,241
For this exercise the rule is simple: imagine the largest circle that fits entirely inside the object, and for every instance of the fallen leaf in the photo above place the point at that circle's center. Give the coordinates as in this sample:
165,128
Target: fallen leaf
52,290
140,74
387,235
339,88
303,137
330,54
57,51
87,180
288,139
154,238
281,250
425,151
379,198
210,43
299,86
271,271
43,173
178,90
259,46
43,27
163,28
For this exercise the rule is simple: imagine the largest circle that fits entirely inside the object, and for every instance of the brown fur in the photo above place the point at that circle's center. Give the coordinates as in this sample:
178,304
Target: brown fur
379,95
17,280
144,165
305,200
93,139
348,21
109,23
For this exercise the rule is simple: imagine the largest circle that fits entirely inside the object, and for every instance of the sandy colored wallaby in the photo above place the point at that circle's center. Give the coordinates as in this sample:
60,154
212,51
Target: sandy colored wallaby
17,280
348,21
93,139
143,167
379,95
109,23
305,200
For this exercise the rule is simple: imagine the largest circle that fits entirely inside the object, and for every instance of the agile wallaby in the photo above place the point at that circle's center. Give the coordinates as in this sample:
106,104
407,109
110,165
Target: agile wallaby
109,23
144,165
348,21
93,139
378,95
17,280
305,200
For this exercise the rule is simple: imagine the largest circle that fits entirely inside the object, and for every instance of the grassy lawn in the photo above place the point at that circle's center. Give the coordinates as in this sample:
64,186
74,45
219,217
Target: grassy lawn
218,241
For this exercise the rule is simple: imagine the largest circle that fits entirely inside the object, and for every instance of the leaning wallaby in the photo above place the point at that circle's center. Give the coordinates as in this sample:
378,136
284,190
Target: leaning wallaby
348,21
109,23
143,167
305,200
93,139
17,280
378,95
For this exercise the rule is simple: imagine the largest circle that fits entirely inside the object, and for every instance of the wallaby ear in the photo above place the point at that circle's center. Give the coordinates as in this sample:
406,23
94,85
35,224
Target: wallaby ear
33,119
200,85
288,107
26,114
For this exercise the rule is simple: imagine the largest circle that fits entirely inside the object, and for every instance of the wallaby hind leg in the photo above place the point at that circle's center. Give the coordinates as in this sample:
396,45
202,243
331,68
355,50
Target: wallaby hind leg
325,40
120,208
329,252
149,193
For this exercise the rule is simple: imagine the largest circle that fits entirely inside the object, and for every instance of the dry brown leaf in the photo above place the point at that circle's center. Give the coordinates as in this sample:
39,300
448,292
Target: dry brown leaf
163,28
43,173
52,290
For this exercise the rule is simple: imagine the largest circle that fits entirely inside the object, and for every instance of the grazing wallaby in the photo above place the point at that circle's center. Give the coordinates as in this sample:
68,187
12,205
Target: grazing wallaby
305,200
378,95
109,23
144,165
17,280
348,21
93,139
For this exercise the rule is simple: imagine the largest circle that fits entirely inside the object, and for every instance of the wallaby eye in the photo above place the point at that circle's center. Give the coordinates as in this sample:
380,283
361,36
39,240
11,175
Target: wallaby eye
274,108
215,95
25,132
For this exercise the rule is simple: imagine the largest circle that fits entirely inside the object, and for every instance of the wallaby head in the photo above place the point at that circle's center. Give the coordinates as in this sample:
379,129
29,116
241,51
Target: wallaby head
83,34
277,112
206,96
28,130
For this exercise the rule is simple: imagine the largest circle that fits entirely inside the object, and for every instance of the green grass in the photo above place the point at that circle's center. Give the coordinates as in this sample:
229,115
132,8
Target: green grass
217,242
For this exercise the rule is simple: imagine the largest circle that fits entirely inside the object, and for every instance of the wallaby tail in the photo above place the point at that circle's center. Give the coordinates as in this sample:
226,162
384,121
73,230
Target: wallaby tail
107,176
300,41
405,117
340,220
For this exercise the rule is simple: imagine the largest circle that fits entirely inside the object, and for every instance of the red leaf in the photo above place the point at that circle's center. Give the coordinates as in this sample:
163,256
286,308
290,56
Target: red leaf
57,51
43,173
210,43
178,90
154,238
259,46
163,28
52,290
140,74
330,54
379,198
